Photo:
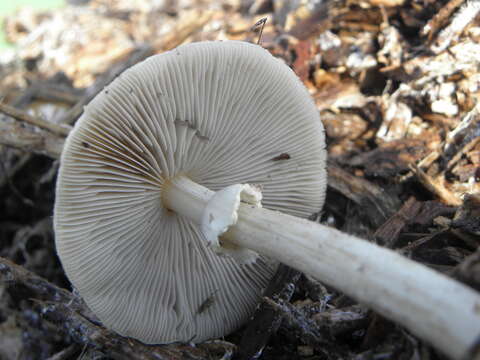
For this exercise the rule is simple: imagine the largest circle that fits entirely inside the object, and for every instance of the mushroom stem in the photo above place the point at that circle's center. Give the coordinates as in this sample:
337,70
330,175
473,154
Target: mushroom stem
434,307
185,197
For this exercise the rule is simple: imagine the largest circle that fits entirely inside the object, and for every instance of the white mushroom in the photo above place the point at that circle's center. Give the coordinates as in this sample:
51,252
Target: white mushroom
150,178
217,113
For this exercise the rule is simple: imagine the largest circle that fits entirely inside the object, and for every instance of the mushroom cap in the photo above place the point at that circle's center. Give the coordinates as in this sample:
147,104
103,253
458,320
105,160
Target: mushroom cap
219,113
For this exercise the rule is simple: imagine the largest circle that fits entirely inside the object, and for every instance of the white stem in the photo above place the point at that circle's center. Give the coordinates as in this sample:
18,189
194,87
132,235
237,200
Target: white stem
186,197
436,308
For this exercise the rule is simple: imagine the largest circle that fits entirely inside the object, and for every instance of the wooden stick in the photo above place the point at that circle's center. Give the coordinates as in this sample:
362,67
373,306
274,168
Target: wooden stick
25,117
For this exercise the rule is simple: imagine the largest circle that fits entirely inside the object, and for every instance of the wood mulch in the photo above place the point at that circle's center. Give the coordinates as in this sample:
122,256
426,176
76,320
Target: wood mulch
396,83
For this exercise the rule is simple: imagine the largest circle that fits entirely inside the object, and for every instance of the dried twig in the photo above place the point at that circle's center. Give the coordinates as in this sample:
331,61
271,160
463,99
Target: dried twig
54,93
259,24
43,124
50,90
419,242
462,18
431,28
40,142
436,187
388,233
465,135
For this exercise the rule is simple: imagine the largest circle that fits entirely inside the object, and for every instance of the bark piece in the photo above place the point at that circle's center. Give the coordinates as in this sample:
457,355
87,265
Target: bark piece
378,203
389,232
266,320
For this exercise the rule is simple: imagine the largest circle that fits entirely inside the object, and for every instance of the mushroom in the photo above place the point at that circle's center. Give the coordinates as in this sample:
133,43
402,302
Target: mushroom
204,112
191,164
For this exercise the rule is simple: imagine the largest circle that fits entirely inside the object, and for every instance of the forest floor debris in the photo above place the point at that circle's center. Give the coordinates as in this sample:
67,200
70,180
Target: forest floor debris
397,84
